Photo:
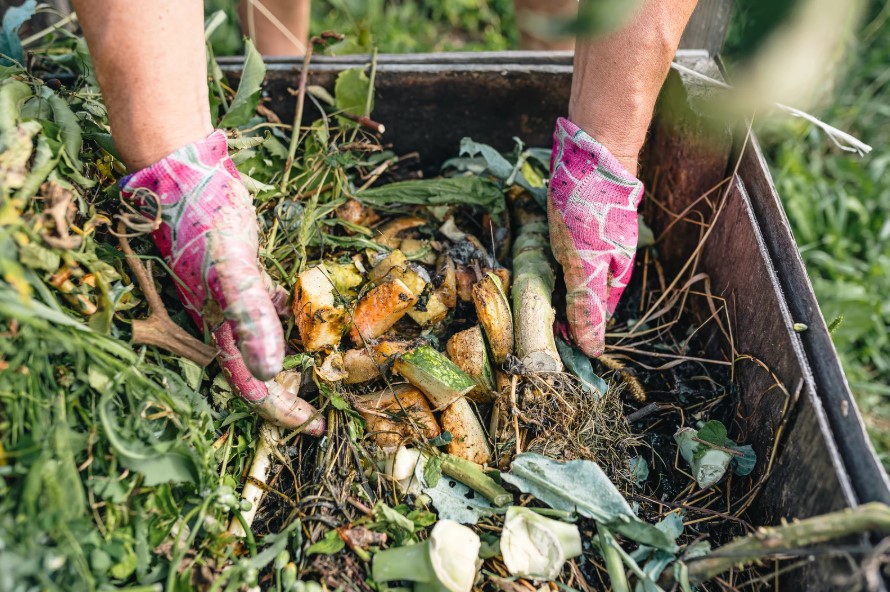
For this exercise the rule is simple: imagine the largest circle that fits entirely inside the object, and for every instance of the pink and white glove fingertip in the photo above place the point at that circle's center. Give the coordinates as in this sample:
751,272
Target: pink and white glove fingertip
209,237
592,210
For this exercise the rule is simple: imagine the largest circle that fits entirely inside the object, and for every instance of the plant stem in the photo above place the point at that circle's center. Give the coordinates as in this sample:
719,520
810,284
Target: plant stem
775,540
298,117
248,533
533,284
410,563
612,559
473,477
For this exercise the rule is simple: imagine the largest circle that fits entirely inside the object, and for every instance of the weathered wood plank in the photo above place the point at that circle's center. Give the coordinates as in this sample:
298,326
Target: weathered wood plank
707,26
867,474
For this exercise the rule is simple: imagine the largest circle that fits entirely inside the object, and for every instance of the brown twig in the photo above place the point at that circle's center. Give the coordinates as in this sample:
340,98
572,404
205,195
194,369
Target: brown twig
159,329
364,121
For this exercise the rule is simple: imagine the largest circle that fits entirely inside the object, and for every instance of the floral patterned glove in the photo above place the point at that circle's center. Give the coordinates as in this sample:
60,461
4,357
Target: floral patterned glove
208,236
592,209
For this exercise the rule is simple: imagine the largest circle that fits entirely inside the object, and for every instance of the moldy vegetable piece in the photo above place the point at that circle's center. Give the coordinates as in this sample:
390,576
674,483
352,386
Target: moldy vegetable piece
379,309
354,212
320,318
447,289
446,562
465,278
417,249
434,311
493,312
468,438
345,277
364,364
437,376
467,350
388,233
394,260
395,414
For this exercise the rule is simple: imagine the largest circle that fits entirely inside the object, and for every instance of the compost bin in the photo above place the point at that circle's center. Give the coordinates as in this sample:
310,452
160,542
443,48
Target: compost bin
794,395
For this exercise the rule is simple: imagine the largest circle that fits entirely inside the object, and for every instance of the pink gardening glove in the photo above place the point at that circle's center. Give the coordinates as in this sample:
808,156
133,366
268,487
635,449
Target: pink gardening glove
208,236
592,209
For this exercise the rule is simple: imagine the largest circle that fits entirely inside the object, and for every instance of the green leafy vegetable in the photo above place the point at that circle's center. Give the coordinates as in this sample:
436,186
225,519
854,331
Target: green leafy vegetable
581,486
710,452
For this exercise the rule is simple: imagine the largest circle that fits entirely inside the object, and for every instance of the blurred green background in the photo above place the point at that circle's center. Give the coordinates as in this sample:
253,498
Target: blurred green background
838,203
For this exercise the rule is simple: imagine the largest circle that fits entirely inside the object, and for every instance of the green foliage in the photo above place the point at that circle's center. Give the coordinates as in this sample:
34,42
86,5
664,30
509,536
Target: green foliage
839,208
395,26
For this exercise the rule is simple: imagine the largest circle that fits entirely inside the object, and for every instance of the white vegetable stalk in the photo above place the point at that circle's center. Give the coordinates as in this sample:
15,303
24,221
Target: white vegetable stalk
259,473
537,547
446,562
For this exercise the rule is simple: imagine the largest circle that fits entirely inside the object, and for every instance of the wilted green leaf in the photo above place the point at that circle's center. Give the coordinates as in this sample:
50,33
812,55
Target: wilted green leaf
160,462
69,126
432,471
13,19
351,91
12,93
247,97
743,465
455,501
393,517
329,545
37,257
470,191
714,432
639,469
581,486
579,364
482,159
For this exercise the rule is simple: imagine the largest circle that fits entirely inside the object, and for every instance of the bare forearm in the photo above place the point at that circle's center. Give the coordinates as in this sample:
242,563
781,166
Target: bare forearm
151,63
617,78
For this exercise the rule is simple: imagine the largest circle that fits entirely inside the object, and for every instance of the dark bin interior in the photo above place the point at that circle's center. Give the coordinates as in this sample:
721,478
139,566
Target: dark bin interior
825,461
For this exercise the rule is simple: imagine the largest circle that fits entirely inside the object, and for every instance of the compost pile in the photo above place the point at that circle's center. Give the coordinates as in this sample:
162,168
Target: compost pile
467,444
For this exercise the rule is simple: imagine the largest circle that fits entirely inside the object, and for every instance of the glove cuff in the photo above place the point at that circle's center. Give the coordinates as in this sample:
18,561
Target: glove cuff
578,154
181,171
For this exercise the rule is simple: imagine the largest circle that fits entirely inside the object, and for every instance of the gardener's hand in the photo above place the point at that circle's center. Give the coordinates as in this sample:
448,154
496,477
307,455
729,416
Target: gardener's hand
592,209
207,233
